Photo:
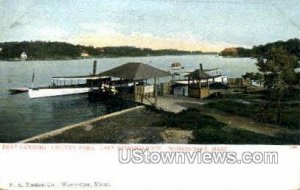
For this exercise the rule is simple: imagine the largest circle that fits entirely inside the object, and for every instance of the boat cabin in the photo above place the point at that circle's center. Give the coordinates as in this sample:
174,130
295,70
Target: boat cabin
79,81
176,66
200,83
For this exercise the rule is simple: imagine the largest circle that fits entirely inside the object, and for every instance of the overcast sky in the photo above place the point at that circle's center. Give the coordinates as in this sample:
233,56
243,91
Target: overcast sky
208,25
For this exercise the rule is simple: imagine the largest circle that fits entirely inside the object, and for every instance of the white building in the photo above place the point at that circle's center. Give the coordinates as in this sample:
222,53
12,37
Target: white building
84,54
23,55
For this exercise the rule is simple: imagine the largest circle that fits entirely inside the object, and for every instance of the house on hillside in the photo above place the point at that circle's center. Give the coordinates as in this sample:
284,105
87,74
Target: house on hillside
23,55
84,54
229,52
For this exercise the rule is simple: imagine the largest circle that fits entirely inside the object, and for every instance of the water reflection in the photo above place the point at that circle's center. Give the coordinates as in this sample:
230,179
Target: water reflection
26,119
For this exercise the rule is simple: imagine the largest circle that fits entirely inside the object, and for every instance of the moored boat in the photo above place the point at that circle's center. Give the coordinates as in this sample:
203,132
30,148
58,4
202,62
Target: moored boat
18,90
65,86
48,92
215,75
176,66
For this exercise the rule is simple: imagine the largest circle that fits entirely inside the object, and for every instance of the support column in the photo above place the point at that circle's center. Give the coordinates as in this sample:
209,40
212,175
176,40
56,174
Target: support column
200,70
199,88
134,90
94,72
189,84
94,67
155,91
142,94
158,85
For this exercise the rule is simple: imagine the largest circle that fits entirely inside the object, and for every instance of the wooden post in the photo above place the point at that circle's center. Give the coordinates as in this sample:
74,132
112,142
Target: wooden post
134,90
155,92
189,83
200,69
207,83
143,92
94,67
158,86
94,72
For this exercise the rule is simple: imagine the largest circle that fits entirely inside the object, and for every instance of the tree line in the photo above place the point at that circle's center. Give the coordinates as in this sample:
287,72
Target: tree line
291,46
277,72
39,50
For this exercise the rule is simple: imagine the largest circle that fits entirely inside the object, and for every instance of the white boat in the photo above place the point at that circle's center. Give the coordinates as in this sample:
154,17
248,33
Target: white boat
216,76
176,66
220,79
65,86
47,92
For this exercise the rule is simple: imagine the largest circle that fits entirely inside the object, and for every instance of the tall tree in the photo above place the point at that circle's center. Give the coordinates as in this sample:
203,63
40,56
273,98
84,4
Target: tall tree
278,68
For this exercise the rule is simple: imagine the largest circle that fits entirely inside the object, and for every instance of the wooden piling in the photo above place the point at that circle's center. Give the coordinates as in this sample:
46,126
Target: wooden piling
200,69
155,91
94,67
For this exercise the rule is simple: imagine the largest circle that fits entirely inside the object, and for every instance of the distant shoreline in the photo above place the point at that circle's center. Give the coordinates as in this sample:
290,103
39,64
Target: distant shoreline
107,57
41,50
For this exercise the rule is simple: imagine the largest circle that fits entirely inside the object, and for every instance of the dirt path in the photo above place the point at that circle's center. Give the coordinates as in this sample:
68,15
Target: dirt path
178,103
247,124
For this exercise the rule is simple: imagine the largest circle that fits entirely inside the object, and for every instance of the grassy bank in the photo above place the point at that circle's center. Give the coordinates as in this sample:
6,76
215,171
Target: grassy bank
259,105
156,126
207,129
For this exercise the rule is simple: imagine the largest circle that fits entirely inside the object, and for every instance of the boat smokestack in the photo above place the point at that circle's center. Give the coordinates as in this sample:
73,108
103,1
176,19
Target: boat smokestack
201,68
94,67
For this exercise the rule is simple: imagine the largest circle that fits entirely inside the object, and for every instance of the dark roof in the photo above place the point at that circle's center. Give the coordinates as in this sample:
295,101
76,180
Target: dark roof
135,71
84,77
195,75
214,69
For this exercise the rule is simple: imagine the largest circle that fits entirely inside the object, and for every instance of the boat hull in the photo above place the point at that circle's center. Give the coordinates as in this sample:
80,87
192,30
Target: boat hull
177,68
48,92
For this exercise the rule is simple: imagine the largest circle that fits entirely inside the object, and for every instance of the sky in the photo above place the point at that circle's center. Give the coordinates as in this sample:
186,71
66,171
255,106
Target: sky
206,25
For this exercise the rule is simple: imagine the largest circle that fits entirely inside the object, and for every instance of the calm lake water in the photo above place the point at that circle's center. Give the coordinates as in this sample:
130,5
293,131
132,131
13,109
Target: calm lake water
21,117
